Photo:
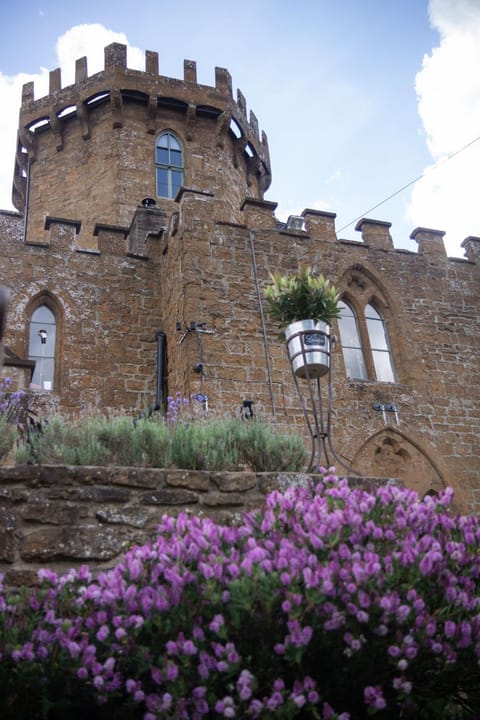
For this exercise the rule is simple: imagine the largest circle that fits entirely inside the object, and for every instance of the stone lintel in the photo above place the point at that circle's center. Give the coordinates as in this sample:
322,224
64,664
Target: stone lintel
109,242
27,93
115,56
55,81
259,213
81,70
103,227
185,192
471,245
223,81
151,62
190,71
146,222
375,233
50,220
430,242
320,224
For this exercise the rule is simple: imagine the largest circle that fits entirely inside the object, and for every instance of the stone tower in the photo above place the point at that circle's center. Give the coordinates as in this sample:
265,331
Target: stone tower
143,241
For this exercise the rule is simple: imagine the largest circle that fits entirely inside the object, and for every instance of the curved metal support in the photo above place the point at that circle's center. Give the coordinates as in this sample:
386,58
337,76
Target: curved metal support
317,417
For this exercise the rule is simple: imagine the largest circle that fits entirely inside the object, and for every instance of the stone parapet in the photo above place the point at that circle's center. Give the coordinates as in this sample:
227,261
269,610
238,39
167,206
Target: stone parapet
63,516
117,85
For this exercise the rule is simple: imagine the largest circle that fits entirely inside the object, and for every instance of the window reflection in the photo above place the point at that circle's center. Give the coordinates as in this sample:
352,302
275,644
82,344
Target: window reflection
169,165
42,348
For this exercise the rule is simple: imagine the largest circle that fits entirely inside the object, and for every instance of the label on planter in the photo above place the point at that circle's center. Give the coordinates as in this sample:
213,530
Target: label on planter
314,339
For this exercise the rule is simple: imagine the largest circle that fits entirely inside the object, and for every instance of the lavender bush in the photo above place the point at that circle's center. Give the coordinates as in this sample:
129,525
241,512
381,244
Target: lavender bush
10,405
186,438
328,603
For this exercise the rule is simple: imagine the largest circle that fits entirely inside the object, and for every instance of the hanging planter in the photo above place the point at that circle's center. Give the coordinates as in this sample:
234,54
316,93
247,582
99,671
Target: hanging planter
308,347
304,305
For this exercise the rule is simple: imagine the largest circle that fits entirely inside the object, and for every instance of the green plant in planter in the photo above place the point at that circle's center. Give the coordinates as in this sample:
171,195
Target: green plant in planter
303,296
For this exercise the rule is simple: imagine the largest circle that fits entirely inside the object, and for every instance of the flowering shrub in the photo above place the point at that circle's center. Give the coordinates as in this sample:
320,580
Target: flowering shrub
9,410
328,603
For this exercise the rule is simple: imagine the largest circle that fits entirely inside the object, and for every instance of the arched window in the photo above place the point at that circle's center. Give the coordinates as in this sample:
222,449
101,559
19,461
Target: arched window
41,348
351,344
366,349
380,349
169,165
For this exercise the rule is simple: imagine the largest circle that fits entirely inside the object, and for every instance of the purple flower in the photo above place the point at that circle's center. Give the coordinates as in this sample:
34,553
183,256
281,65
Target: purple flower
374,697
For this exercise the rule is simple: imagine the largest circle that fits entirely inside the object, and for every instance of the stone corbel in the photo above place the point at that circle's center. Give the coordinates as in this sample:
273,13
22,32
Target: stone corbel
239,146
117,107
223,123
152,114
82,114
29,141
253,167
264,180
190,121
56,125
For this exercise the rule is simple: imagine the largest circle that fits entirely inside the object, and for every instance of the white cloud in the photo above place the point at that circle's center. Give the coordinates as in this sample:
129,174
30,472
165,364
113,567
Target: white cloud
448,90
79,41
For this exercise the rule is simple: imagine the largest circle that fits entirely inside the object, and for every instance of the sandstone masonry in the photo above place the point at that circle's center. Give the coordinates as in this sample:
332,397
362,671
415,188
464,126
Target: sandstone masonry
150,299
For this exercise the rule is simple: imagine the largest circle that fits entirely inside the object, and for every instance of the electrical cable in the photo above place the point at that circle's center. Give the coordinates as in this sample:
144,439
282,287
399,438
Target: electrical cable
412,182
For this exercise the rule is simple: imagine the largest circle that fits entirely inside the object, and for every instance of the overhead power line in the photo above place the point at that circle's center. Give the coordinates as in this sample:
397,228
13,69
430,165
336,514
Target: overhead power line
412,182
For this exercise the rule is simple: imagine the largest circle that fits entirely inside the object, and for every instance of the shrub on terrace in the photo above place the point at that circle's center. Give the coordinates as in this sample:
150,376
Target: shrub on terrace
328,603
182,439
10,407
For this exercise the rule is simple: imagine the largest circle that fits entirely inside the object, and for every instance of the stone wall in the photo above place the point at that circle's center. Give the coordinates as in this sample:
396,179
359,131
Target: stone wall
62,517
115,274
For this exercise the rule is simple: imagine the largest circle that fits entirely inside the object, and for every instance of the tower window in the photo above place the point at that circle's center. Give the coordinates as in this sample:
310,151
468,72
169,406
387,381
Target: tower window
41,348
169,165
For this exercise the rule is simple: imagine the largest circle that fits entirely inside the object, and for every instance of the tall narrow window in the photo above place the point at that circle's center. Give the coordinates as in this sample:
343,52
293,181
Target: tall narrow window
379,346
42,348
351,344
169,165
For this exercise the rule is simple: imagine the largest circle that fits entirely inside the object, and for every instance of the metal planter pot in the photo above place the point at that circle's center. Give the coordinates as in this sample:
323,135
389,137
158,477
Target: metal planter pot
308,346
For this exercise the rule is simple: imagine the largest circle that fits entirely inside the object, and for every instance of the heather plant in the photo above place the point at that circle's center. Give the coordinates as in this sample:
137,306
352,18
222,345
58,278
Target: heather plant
10,407
327,603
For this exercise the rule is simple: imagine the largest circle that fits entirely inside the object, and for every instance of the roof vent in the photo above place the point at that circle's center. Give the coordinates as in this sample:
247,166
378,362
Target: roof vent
295,222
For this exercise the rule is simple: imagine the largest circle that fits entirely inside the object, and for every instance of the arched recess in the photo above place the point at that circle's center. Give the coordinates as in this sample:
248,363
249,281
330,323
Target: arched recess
362,287
391,454
48,300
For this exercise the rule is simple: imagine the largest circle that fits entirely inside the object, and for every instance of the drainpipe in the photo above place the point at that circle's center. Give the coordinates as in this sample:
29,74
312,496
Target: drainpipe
161,383
251,237
27,201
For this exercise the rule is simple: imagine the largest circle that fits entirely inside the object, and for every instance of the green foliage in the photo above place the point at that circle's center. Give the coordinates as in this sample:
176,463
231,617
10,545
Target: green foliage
303,296
196,444
8,433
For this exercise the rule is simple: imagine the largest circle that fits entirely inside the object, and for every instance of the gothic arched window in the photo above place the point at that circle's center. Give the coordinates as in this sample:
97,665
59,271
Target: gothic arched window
41,348
168,165
365,345
379,345
351,343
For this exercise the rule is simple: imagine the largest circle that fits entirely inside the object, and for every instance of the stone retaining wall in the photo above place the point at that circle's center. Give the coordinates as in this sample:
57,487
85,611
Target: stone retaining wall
62,516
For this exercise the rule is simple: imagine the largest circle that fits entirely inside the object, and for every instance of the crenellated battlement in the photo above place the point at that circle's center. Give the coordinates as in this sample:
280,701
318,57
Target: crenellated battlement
120,86
375,234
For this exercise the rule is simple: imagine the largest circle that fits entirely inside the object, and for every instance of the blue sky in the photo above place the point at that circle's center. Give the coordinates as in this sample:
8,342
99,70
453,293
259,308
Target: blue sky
357,97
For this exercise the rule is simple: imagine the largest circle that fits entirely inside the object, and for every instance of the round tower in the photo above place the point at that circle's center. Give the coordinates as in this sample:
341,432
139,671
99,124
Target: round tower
90,152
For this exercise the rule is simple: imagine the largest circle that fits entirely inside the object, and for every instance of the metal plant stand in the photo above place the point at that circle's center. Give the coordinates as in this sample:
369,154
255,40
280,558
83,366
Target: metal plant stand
317,413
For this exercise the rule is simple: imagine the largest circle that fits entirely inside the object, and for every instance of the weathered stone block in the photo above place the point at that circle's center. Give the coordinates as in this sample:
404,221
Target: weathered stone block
169,497
234,482
190,479
114,517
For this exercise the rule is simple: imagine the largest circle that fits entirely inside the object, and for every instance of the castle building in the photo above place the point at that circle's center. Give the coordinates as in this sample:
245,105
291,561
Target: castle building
139,252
